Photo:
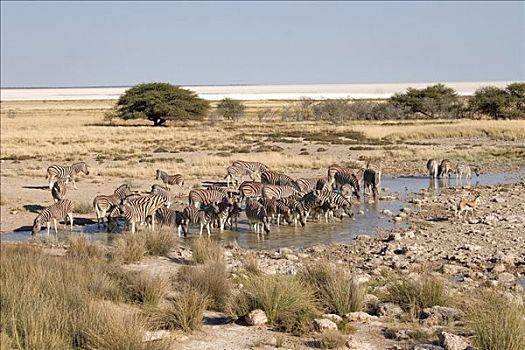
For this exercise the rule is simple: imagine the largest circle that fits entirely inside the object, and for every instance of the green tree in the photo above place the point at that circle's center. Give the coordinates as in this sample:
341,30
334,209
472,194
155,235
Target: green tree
435,100
230,109
517,97
159,102
491,101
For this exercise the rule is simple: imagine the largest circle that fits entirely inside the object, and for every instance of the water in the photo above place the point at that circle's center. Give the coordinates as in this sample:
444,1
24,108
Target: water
366,223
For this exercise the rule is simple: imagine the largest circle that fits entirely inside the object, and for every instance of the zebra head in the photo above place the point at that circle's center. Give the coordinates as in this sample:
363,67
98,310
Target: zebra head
37,225
348,210
84,168
158,174
477,171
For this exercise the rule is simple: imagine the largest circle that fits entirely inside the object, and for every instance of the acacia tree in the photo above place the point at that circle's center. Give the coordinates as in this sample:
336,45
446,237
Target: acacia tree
491,100
230,109
159,102
434,100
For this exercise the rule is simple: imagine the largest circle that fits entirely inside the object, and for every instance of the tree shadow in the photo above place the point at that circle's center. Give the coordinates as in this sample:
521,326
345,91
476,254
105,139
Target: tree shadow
36,187
34,208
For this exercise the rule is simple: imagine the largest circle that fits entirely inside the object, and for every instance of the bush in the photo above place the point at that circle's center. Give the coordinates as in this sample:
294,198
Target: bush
144,288
83,208
205,249
334,288
160,242
159,102
230,109
184,312
434,100
500,103
497,323
82,247
288,303
251,265
210,279
130,248
331,339
413,295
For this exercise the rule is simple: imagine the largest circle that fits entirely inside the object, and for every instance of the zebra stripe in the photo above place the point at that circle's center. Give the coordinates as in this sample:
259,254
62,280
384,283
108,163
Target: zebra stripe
59,190
445,168
59,210
235,173
164,192
139,209
256,167
331,201
201,197
276,191
464,169
172,218
250,189
66,172
203,217
309,184
346,176
275,178
176,179
104,203
257,216
432,167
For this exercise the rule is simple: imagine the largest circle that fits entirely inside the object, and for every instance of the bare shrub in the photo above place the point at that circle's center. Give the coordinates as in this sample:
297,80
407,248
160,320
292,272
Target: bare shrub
206,250
144,288
160,242
130,247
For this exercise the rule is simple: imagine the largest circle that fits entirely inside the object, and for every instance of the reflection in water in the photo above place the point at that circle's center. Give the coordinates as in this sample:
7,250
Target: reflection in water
368,217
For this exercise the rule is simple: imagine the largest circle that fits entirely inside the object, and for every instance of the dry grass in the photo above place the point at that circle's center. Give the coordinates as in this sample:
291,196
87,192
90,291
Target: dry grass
205,249
82,247
160,242
143,288
331,339
83,207
130,248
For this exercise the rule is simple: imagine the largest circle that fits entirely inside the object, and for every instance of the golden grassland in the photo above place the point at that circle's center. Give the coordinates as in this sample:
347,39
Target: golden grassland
68,131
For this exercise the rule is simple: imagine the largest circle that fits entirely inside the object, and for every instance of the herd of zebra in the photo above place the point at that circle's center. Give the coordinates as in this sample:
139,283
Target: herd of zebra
269,197
446,169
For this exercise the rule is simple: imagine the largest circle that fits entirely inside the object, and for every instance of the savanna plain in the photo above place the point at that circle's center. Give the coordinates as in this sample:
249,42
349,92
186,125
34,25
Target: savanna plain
435,282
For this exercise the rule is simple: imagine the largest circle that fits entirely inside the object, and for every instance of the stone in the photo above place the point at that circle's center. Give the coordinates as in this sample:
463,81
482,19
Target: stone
440,315
359,316
284,251
387,212
324,323
256,317
291,257
333,317
155,335
498,268
354,344
389,310
451,341
506,277
398,219
427,347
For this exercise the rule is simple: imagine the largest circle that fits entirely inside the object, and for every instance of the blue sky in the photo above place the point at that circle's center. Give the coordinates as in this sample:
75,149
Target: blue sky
188,43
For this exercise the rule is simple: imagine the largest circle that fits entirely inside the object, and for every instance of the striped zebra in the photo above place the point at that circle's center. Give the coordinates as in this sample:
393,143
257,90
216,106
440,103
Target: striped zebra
104,203
255,167
176,179
164,192
346,176
138,210
330,201
171,218
372,181
66,172
309,184
332,170
203,197
445,168
250,189
432,167
59,190
277,192
234,213
203,217
298,211
225,208
464,169
58,211
275,209
276,178
257,216
234,173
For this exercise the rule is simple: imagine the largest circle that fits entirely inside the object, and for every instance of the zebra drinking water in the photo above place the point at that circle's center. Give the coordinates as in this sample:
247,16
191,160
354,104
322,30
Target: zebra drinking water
104,203
58,211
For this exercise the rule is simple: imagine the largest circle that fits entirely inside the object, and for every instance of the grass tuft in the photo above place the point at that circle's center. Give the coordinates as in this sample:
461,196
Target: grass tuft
83,208
205,250
82,247
130,248
331,339
144,288
160,242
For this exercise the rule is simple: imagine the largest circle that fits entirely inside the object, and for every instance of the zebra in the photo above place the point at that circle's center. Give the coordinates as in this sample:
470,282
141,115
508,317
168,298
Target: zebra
223,211
309,184
297,208
139,209
332,170
172,218
372,180
464,169
445,168
66,172
275,178
103,203
276,191
250,189
330,201
346,176
59,190
234,213
164,192
202,217
203,197
255,167
432,167
60,210
235,172
257,216
176,179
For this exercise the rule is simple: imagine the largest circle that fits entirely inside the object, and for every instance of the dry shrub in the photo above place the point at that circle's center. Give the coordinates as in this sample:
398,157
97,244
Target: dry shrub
251,265
205,249
334,288
211,279
82,247
130,248
413,295
83,207
184,312
331,339
497,322
160,242
288,303
141,287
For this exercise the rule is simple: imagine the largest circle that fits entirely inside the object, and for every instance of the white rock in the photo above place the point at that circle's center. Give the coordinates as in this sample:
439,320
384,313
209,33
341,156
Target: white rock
333,317
359,316
452,342
256,317
324,323
155,335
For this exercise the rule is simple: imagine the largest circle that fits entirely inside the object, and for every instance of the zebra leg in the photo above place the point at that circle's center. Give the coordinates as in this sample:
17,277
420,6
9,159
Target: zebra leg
133,227
55,224
202,226
70,215
208,229
48,226
51,181
73,181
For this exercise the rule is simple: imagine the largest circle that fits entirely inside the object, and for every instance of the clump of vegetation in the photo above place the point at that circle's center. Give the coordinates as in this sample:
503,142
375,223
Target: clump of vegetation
500,103
82,247
160,102
288,303
160,242
130,248
331,339
184,312
497,323
230,109
251,265
83,208
334,288
144,288
432,101
211,279
205,250
413,295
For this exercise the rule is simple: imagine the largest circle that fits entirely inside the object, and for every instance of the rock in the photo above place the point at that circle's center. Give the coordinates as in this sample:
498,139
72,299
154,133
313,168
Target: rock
398,219
403,215
155,335
291,257
256,318
427,347
354,344
498,268
371,302
324,323
406,210
361,279
506,277
358,316
389,310
361,212
490,219
450,269
451,341
284,251
333,317
440,315
387,212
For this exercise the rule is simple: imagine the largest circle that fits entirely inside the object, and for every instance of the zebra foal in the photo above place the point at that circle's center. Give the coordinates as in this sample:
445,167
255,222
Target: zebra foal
57,211
235,173
66,172
137,210
176,179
